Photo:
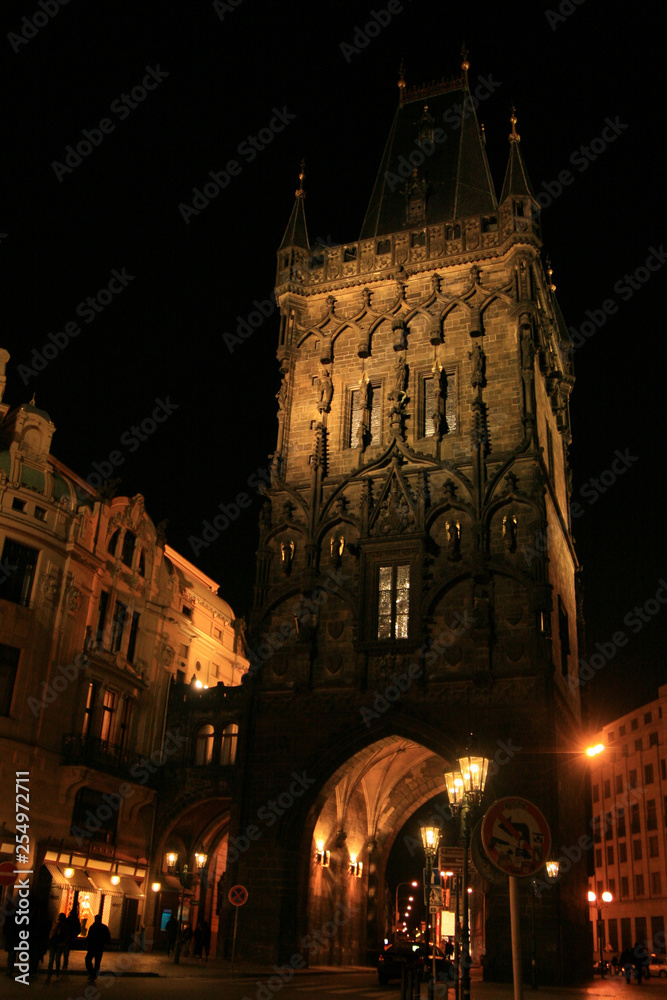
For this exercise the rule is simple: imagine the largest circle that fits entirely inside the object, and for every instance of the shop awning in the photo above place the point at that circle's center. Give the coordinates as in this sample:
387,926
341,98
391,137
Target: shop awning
78,880
126,887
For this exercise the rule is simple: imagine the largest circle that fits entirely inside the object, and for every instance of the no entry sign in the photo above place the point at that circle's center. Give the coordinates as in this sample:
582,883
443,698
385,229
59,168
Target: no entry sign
7,874
516,836
238,894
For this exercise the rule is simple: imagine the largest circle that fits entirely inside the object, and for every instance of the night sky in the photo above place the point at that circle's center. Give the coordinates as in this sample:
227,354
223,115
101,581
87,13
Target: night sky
218,74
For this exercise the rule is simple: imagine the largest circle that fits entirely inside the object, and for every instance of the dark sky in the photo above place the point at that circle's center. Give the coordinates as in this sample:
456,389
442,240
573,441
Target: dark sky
220,72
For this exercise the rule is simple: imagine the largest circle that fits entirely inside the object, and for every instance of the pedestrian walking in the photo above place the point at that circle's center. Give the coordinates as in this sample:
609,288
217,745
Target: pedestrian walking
171,928
205,938
97,940
57,942
640,961
73,929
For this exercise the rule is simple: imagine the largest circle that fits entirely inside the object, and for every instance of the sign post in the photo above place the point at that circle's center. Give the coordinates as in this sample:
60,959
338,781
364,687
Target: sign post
238,895
517,840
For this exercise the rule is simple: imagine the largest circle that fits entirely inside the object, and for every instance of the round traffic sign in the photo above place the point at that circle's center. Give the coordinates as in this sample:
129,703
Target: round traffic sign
7,874
238,894
516,836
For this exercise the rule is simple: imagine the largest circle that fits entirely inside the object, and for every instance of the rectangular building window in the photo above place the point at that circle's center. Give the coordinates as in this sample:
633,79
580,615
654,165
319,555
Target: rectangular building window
598,857
625,890
9,661
373,430
637,850
634,724
612,886
90,710
619,784
108,715
620,822
663,770
653,847
648,774
132,644
635,826
118,624
638,745
608,826
393,601
651,815
17,572
621,730
102,617
438,410
597,829
639,886
610,854
653,739
622,852
632,779
648,717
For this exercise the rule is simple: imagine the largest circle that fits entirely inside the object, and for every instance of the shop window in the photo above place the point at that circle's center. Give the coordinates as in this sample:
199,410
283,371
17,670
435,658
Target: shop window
204,746
230,736
9,661
393,601
17,572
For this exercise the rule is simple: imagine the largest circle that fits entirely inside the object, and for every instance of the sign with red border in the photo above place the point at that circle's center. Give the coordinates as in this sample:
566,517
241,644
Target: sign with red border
516,837
238,895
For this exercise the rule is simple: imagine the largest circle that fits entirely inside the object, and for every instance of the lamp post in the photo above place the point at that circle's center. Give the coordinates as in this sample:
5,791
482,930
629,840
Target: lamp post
430,840
396,910
593,899
187,879
464,789
551,870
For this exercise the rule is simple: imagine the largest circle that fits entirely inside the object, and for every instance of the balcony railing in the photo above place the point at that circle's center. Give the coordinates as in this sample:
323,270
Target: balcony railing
99,754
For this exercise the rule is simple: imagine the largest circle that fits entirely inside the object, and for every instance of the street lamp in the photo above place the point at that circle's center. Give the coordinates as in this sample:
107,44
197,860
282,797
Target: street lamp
430,840
187,880
551,870
593,899
464,789
396,909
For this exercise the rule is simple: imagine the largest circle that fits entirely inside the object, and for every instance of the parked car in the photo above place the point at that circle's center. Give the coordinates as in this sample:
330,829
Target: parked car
416,956
657,966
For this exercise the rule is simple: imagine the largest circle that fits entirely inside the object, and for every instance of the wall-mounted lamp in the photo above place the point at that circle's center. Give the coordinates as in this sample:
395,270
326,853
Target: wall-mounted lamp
200,860
172,860
356,867
322,857
156,886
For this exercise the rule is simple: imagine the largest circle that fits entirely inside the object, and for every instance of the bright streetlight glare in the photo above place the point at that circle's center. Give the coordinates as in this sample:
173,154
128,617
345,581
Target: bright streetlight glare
591,897
593,751
607,897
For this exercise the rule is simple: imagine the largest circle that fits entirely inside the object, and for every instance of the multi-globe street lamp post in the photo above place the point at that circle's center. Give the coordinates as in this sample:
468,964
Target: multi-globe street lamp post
593,899
187,878
464,789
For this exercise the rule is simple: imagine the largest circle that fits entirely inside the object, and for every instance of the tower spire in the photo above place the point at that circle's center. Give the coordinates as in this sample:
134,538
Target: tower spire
517,183
401,82
296,234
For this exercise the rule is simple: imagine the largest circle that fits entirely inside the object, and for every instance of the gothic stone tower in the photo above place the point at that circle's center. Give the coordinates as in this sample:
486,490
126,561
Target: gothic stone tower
416,572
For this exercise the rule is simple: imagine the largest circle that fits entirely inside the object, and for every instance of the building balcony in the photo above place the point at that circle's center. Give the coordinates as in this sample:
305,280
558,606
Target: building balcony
99,754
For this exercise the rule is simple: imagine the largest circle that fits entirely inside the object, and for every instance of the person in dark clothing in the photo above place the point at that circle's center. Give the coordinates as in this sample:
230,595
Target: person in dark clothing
640,961
626,961
57,942
97,939
171,928
205,938
197,941
186,937
73,925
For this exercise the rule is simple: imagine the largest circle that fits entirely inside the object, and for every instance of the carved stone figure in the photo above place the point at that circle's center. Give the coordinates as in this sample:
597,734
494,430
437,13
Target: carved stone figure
477,360
400,375
453,540
325,391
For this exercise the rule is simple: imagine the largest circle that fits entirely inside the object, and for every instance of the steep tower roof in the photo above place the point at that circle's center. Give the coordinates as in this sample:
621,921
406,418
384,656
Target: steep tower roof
434,166
516,181
296,234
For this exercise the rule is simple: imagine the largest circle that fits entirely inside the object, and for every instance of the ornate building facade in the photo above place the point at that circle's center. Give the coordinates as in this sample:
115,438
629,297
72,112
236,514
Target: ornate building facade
99,620
416,570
